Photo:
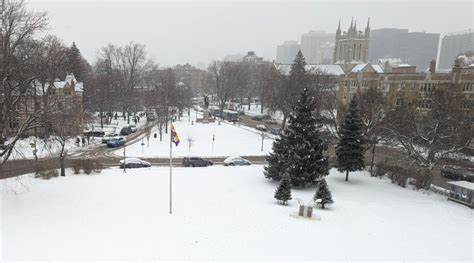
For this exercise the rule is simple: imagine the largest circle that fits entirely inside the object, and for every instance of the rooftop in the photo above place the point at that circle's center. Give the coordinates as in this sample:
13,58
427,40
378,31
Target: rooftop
463,184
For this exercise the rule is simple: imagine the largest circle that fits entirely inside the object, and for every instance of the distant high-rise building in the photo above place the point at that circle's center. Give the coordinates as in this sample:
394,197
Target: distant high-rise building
352,46
317,47
454,44
286,52
414,48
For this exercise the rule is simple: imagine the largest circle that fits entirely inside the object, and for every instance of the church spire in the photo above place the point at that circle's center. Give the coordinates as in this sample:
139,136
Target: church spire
367,29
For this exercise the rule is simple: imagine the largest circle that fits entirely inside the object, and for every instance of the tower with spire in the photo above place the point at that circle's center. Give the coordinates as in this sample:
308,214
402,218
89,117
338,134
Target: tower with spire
352,46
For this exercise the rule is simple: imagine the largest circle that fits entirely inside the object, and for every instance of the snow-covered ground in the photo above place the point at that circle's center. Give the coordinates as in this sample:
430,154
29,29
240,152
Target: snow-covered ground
224,213
229,140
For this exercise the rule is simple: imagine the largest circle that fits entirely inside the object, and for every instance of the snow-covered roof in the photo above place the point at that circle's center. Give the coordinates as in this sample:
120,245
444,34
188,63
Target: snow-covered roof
324,69
404,66
70,79
361,67
463,184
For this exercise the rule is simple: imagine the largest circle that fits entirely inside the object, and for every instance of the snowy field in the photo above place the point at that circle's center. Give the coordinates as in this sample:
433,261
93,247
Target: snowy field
224,213
230,140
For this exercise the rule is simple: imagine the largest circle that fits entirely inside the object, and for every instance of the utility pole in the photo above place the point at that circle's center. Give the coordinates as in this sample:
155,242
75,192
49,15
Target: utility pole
263,136
124,159
171,172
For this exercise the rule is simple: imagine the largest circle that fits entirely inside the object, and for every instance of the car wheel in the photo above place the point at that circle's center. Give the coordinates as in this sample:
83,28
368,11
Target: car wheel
192,165
232,164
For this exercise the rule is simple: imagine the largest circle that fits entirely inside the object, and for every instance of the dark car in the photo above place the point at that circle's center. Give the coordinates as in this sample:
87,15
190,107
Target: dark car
94,133
126,131
134,163
115,142
196,162
275,131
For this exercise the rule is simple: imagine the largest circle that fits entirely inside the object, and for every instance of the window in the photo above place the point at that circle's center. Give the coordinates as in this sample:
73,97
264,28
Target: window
467,87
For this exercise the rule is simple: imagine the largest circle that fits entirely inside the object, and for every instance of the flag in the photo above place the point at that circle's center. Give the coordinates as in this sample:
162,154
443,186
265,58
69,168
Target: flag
174,135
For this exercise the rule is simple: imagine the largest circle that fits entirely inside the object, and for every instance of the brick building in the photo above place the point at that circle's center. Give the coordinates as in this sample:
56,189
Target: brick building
404,86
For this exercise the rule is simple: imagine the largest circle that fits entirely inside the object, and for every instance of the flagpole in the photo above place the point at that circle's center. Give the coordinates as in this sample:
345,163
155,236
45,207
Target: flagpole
171,169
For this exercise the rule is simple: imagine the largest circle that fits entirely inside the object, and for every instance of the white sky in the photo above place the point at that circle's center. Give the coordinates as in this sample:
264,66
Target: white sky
198,32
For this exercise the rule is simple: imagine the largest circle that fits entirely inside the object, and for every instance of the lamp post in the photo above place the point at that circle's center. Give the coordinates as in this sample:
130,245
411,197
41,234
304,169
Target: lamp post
124,163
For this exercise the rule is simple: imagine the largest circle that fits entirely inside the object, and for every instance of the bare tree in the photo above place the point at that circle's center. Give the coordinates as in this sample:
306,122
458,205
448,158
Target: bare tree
19,26
431,132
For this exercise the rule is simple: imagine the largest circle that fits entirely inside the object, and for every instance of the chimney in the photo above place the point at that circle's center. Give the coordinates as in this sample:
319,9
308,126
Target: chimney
433,66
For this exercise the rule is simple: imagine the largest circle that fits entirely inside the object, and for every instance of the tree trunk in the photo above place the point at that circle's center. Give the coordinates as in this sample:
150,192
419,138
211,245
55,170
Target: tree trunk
347,175
283,123
322,205
249,103
101,120
372,160
261,106
63,169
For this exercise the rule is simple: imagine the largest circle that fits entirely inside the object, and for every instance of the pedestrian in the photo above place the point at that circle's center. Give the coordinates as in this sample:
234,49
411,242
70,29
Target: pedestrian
88,139
83,141
78,141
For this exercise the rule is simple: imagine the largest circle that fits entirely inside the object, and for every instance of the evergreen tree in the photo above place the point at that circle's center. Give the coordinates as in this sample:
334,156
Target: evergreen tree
323,193
277,161
298,75
283,192
75,62
304,145
350,148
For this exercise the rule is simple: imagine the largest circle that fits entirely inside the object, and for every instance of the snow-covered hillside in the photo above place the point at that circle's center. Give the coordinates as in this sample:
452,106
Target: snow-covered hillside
224,213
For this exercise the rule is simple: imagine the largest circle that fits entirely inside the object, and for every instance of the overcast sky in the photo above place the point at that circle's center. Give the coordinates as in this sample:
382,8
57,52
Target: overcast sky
198,32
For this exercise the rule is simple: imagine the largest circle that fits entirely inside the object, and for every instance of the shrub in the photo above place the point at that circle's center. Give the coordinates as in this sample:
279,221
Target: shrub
87,166
48,174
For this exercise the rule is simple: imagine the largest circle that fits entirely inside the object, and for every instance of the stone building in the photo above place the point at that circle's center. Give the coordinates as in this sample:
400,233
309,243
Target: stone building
62,98
352,46
405,86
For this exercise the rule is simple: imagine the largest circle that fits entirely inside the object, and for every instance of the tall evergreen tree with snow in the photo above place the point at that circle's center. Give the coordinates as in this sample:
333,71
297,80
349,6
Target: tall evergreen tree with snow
350,148
75,62
283,192
323,194
306,161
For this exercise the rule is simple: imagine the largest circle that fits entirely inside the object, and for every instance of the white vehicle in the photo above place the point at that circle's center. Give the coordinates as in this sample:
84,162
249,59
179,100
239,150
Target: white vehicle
236,160
109,136
134,163
261,127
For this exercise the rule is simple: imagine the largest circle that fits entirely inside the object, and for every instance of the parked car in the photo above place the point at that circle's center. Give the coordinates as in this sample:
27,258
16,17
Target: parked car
109,136
133,128
275,131
94,133
457,173
261,127
257,118
125,131
271,121
196,162
133,163
116,142
236,160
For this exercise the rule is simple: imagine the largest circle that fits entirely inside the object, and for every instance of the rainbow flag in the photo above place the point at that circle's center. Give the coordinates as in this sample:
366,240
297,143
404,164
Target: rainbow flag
174,135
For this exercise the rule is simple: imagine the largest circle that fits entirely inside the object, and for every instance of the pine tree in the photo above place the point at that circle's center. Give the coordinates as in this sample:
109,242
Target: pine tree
305,147
323,193
350,148
277,161
283,192
75,62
